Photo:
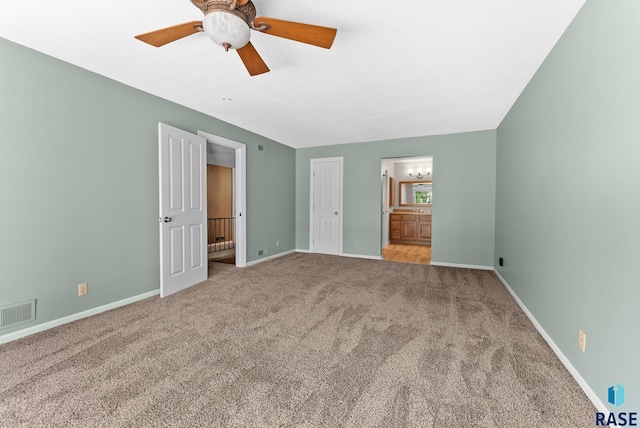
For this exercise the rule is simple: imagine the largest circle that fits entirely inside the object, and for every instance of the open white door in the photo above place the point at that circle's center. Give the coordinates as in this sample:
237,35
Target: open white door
183,209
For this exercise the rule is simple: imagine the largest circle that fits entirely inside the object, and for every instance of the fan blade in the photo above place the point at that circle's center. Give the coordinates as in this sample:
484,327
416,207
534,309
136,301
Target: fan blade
170,34
305,33
252,60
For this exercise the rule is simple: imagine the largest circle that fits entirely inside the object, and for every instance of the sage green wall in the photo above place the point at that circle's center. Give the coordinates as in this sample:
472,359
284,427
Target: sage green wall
568,195
79,185
270,200
464,194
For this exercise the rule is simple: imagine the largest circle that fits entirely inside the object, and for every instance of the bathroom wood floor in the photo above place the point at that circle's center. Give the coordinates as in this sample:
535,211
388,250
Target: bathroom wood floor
408,253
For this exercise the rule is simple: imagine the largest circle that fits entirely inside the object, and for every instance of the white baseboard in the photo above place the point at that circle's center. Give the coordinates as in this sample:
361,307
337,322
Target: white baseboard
462,266
275,256
565,361
355,256
64,320
361,256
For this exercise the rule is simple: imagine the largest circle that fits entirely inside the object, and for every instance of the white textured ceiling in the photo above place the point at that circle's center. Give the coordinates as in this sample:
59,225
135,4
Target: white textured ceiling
395,69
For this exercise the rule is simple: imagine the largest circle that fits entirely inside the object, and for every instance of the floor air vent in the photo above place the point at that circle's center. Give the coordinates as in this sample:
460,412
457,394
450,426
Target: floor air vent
17,313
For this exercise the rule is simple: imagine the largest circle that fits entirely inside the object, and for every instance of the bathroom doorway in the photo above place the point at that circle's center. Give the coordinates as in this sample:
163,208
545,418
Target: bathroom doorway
407,216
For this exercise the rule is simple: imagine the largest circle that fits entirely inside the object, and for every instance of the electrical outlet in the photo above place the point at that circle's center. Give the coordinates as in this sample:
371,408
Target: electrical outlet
501,261
277,243
83,289
357,242
582,341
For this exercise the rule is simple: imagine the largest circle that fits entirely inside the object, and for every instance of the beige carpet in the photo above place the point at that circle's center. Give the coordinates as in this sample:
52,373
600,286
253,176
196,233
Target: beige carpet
300,341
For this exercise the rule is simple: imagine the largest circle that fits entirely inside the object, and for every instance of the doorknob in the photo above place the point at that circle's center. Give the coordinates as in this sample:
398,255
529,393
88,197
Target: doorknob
165,219
336,213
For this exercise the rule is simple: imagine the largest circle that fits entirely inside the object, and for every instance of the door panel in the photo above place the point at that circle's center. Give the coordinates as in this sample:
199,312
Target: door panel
327,231
175,176
183,256
197,165
176,253
196,246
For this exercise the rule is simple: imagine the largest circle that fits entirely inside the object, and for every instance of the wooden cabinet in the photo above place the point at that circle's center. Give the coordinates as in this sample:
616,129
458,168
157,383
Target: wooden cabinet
394,229
410,228
424,230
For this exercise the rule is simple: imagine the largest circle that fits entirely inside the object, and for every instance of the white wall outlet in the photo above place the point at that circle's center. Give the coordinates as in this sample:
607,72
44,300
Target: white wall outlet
357,242
83,289
582,341
277,243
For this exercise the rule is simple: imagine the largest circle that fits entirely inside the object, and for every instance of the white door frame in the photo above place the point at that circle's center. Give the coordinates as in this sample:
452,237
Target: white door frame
240,195
385,207
312,164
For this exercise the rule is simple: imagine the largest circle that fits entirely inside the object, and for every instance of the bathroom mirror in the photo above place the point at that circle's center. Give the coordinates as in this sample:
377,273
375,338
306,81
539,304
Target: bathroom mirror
415,193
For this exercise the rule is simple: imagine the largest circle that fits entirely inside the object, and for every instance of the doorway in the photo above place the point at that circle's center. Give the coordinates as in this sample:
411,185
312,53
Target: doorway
407,215
221,228
226,159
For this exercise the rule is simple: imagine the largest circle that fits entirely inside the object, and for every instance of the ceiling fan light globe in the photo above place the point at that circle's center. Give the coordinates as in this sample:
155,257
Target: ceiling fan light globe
224,27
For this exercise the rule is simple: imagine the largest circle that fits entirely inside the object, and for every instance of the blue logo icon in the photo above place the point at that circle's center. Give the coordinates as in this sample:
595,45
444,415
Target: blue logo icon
616,395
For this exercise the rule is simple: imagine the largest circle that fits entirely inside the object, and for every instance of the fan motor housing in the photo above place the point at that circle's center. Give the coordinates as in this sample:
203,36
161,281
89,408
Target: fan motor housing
247,11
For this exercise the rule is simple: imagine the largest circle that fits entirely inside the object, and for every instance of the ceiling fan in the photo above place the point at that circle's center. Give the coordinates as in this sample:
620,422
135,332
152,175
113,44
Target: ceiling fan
229,23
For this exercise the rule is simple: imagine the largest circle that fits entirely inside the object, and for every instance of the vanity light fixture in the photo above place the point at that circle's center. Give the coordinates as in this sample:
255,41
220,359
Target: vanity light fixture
418,174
